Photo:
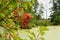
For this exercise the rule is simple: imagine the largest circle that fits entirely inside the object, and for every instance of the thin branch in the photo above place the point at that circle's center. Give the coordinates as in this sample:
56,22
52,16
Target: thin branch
5,6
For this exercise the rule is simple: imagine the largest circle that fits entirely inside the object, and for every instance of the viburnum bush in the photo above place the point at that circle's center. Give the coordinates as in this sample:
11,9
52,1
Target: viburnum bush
14,15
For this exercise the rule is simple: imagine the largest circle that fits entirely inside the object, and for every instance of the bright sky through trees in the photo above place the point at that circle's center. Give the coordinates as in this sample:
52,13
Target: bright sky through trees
47,5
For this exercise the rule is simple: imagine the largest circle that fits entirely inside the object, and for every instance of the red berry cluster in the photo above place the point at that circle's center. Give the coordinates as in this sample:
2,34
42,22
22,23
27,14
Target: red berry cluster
25,20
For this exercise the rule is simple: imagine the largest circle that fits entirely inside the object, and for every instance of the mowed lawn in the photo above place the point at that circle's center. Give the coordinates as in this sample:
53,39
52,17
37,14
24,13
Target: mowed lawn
52,34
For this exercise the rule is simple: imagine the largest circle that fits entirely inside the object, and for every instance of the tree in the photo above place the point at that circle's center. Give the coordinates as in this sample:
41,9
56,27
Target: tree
56,12
11,12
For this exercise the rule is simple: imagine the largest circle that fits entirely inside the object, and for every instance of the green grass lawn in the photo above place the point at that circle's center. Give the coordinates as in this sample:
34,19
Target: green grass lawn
31,34
52,34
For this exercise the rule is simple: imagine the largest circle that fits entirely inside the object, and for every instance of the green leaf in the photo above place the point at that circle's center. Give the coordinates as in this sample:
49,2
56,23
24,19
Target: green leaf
31,38
3,23
17,38
8,12
42,30
42,33
10,20
30,4
24,4
42,39
2,15
0,2
31,33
